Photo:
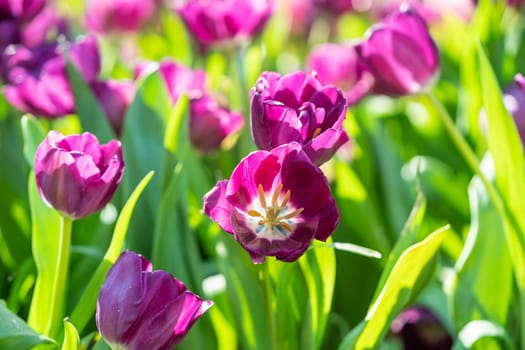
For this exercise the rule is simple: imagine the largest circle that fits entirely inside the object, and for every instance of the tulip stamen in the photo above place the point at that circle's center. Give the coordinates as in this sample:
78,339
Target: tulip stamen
262,198
275,216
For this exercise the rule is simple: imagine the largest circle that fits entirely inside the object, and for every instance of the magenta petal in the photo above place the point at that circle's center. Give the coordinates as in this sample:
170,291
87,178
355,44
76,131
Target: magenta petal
217,207
321,148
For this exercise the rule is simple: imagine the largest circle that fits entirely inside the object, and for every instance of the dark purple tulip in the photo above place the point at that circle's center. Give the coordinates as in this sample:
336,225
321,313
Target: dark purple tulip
214,22
140,309
418,328
340,65
114,98
298,107
210,123
105,16
36,79
401,54
77,175
275,203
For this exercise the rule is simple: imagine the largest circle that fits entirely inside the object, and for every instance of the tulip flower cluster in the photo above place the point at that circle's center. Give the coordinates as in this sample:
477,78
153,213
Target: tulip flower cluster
262,174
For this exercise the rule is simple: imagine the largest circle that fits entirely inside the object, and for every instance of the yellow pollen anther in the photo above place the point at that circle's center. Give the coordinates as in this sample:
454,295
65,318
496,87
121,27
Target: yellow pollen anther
262,199
274,214
316,132
276,194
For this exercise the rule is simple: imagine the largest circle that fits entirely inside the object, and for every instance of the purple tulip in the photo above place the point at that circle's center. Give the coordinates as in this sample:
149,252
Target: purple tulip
114,98
340,65
214,22
77,175
297,107
418,328
36,80
401,54
275,203
210,123
105,16
138,308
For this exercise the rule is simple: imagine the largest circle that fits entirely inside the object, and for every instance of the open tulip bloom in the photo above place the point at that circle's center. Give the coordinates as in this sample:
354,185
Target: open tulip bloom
297,107
77,175
140,309
275,203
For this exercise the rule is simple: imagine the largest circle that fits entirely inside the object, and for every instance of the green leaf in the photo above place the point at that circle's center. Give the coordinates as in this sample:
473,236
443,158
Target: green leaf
291,304
410,269
143,143
509,163
318,267
34,134
87,303
45,242
483,334
15,334
245,293
472,296
409,236
71,338
87,107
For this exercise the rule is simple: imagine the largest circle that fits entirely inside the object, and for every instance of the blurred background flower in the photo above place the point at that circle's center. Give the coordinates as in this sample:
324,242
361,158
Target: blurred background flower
340,65
219,22
105,16
418,328
36,79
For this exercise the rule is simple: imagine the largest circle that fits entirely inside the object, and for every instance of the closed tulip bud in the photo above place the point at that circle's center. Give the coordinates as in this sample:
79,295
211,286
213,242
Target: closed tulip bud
77,175
401,54
139,309
275,203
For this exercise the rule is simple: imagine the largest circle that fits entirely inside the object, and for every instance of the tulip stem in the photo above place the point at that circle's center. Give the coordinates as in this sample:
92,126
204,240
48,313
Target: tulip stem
61,267
269,296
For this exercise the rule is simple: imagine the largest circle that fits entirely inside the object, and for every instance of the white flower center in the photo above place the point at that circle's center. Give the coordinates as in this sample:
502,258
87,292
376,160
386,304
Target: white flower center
274,219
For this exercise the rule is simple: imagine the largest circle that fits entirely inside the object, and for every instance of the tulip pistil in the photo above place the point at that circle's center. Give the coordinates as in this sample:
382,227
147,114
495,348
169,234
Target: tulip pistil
275,214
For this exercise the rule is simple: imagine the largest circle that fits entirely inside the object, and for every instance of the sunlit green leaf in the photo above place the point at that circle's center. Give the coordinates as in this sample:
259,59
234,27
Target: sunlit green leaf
71,338
473,296
46,242
409,270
